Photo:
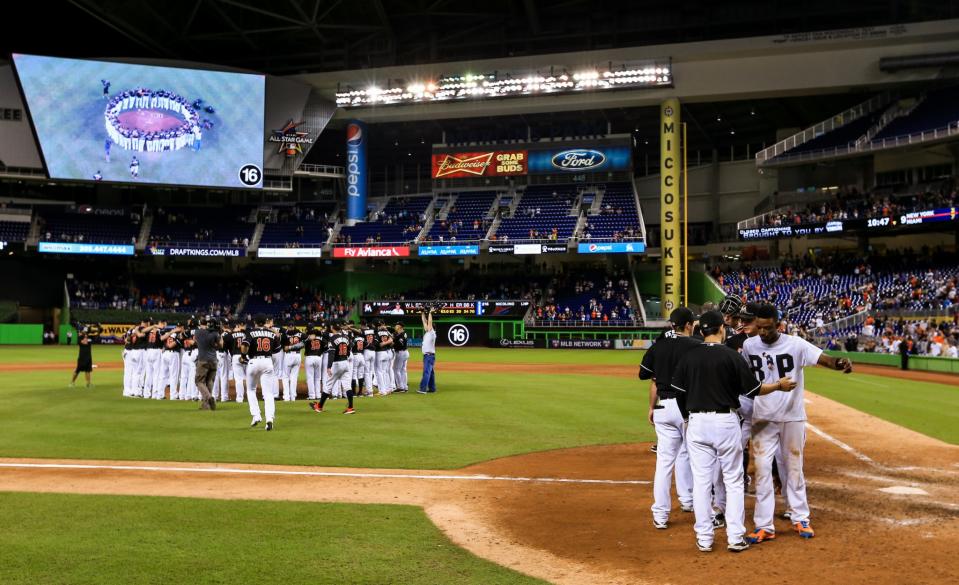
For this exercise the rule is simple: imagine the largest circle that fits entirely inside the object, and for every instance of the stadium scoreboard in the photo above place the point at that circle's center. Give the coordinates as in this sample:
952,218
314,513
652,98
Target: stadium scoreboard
475,309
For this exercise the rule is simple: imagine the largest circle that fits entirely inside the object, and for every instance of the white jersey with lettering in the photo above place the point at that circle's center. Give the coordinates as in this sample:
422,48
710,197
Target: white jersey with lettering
785,358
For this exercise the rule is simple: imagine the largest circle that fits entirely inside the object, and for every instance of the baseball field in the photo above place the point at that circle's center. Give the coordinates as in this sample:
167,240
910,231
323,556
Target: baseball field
526,466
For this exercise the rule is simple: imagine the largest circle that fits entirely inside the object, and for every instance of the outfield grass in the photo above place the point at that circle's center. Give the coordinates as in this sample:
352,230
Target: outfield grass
80,539
476,416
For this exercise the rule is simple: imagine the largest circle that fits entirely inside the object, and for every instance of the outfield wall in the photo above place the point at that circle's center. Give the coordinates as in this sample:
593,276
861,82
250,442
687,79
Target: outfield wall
916,362
21,334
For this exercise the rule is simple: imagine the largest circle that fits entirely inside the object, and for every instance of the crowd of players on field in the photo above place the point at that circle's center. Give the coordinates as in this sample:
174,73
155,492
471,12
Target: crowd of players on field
726,383
340,360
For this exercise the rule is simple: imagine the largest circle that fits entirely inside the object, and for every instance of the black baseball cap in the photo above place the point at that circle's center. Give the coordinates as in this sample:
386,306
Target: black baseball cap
681,316
748,311
711,321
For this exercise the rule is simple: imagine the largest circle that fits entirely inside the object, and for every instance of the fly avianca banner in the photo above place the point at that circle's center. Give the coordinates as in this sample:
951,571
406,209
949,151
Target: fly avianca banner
461,165
371,252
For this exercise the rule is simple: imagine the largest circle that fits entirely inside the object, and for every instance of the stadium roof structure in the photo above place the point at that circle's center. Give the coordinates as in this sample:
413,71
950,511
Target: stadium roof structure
308,36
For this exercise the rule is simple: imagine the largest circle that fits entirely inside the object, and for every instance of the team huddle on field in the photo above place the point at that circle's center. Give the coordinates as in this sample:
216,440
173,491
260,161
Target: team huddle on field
197,360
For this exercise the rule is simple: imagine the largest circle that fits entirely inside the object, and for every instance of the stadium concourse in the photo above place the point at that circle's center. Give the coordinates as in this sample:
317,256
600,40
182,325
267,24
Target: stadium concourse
624,293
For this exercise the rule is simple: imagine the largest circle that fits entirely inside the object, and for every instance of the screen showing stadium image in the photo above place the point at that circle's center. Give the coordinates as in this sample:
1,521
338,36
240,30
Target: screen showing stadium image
105,121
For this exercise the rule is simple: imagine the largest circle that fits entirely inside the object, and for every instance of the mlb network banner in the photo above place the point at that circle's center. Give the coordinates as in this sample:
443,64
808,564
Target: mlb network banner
197,252
289,253
526,249
499,163
612,248
372,252
580,160
72,248
467,250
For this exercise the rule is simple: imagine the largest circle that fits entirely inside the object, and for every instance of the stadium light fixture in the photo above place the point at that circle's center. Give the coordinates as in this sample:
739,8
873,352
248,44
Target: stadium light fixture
647,74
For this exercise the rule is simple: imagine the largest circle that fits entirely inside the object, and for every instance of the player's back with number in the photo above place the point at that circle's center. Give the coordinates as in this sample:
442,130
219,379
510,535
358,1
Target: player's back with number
339,347
262,342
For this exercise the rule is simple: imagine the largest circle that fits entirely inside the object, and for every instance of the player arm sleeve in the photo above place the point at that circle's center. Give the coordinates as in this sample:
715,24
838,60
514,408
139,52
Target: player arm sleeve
679,382
646,366
750,386
812,355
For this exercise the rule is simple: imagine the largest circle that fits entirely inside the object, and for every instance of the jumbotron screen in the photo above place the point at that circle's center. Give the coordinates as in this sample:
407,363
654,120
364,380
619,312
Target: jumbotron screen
104,121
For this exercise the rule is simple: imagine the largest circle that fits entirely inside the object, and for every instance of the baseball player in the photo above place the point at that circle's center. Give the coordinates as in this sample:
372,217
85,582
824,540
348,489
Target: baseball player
277,358
383,347
169,361
369,354
358,371
224,365
152,369
710,378
400,358
239,369
139,359
779,420
188,389
292,341
258,349
658,364
128,366
135,168
338,372
313,361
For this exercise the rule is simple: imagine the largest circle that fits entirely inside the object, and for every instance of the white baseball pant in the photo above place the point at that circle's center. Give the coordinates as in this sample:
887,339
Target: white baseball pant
277,368
716,439
168,372
670,430
130,365
384,374
260,371
369,356
221,383
358,371
769,438
400,378
152,374
139,372
291,374
314,376
188,389
239,377
339,382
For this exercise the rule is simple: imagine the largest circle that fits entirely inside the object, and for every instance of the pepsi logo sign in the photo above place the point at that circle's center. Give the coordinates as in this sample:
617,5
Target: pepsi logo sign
578,160
354,134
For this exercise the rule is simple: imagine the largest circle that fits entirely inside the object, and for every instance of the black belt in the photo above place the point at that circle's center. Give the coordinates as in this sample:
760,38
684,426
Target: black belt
729,411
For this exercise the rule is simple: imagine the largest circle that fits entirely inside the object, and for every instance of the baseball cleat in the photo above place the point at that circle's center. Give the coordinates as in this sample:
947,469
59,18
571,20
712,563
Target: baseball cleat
719,520
653,447
421,391
804,529
738,546
686,508
349,411
760,535
316,407
659,524
255,422
269,425
704,547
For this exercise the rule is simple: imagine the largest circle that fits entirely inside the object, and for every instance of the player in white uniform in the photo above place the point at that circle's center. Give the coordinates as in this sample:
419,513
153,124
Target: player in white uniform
384,360
400,358
358,369
277,358
338,369
779,420
258,348
239,368
292,341
188,389
313,361
369,355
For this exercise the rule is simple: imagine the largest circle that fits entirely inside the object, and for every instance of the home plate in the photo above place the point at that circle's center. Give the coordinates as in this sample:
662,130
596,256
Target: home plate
902,490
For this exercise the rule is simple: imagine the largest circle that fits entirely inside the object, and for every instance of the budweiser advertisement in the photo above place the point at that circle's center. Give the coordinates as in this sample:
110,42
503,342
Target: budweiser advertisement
461,165
371,252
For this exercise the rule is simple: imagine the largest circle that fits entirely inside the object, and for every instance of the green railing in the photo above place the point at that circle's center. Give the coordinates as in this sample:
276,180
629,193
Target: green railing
916,362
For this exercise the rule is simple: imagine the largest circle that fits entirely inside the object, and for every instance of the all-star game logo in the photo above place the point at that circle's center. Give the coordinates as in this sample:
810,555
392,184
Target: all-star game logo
290,139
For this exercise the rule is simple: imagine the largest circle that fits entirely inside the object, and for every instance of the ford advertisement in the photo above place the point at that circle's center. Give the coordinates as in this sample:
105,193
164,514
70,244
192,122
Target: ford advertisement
580,160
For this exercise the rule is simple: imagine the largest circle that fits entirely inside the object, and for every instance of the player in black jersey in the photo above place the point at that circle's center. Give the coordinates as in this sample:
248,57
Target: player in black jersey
358,369
239,369
401,356
338,369
314,350
258,349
